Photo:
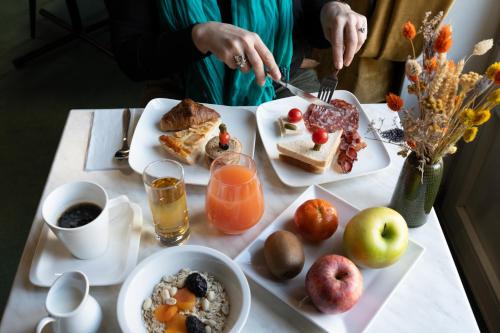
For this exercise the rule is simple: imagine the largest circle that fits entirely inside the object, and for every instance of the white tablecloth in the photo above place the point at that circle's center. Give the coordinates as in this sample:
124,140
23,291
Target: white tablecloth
430,299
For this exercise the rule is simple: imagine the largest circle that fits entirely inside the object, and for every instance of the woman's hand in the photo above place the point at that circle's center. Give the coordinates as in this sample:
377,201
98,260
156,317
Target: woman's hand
226,41
345,29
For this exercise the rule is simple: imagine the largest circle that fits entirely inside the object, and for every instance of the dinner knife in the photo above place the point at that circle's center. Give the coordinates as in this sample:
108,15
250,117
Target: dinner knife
302,94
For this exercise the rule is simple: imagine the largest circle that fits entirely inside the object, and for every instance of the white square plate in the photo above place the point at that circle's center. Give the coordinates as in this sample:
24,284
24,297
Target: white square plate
371,159
51,258
378,284
145,147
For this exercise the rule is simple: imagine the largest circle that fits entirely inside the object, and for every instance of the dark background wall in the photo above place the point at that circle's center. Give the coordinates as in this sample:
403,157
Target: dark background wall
34,104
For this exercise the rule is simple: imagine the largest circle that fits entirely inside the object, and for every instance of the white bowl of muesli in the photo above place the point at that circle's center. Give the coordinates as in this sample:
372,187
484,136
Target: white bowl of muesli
184,289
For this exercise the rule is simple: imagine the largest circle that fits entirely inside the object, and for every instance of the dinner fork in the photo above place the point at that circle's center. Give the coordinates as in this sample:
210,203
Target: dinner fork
328,86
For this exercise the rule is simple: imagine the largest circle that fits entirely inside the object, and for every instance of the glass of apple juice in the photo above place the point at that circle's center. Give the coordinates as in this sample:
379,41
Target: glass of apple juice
164,182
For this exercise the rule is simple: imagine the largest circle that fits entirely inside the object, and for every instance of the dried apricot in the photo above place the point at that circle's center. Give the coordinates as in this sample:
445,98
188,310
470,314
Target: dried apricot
186,300
177,324
165,313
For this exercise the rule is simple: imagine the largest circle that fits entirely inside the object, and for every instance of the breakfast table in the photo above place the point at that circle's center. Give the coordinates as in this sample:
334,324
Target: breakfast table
431,297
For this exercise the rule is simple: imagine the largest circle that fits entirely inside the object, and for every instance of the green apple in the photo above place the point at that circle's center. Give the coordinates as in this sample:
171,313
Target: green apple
376,237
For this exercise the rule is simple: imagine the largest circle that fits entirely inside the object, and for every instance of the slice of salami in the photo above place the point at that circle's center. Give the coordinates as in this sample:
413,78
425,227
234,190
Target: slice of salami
342,116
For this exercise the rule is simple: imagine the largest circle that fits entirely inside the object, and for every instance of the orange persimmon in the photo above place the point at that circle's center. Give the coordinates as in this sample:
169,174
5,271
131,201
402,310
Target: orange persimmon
165,313
316,220
186,300
177,324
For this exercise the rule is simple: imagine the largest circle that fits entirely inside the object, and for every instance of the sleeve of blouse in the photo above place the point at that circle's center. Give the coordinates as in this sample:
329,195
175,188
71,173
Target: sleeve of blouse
142,49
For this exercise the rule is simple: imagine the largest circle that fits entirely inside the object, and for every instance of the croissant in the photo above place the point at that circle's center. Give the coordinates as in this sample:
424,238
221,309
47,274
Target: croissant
186,114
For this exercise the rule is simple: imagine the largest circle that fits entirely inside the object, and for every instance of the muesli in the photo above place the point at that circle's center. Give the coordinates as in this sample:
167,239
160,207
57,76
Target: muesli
189,301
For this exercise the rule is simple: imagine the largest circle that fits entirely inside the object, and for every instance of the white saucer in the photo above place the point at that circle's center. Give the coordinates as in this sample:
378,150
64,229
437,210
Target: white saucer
51,258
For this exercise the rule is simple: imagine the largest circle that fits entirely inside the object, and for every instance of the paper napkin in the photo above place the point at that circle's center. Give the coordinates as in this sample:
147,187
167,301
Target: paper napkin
106,138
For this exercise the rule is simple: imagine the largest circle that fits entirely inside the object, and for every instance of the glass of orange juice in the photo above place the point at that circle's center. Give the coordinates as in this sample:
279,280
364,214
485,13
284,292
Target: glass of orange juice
234,201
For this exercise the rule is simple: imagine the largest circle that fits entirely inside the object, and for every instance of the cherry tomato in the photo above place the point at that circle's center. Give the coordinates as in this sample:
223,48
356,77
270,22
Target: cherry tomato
294,115
224,138
320,136
316,220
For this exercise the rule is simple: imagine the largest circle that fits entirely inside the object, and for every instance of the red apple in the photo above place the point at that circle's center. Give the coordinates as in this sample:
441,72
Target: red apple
334,284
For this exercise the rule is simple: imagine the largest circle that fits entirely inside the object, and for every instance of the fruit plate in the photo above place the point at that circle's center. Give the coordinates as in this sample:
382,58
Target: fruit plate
145,147
371,159
378,284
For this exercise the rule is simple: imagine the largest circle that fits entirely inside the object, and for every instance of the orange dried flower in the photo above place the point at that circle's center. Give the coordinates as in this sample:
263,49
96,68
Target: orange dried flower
496,78
409,31
411,144
394,102
443,41
413,78
430,64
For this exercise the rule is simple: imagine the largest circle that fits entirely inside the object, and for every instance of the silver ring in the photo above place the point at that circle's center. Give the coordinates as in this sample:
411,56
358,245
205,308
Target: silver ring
240,60
362,30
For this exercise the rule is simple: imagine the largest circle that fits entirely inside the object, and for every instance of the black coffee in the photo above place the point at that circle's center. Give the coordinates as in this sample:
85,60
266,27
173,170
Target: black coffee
79,215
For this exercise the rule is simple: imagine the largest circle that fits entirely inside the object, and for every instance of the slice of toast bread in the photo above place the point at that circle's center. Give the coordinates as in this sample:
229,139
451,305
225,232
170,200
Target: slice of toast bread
300,164
302,150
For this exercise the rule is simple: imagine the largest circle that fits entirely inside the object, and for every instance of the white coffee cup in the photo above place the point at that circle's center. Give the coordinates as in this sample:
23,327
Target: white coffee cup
90,240
70,307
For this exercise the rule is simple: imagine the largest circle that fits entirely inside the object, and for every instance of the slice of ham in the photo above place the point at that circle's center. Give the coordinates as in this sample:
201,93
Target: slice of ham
352,153
344,162
343,116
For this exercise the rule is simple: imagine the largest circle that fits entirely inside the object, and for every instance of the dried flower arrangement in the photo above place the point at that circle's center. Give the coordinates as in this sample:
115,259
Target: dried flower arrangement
450,104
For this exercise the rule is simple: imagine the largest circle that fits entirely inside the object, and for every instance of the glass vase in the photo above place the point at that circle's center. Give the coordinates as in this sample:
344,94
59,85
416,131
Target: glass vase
416,191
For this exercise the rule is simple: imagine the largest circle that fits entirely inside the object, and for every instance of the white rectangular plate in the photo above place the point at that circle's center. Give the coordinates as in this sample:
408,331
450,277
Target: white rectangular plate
51,258
371,159
378,284
145,147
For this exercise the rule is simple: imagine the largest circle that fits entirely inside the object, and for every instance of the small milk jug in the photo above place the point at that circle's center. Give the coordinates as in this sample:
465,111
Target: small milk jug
71,309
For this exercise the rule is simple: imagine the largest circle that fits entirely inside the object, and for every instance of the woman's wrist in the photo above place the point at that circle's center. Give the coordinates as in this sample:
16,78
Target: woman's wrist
342,1
198,36
336,3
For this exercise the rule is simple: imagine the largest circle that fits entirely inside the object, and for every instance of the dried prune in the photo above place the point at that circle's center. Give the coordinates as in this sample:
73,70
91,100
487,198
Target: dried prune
194,325
196,284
